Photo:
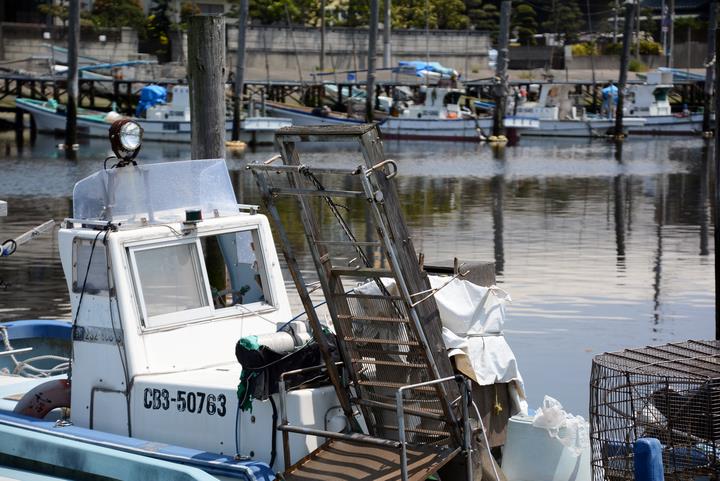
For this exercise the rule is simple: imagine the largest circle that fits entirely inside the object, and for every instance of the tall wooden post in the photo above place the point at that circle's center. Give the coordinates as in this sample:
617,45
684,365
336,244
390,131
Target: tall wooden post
627,34
387,52
669,54
717,188
370,84
501,88
709,71
322,35
72,80
239,71
206,73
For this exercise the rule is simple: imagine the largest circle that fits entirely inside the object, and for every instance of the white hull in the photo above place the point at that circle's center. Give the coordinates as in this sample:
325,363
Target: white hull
669,125
580,128
410,128
154,130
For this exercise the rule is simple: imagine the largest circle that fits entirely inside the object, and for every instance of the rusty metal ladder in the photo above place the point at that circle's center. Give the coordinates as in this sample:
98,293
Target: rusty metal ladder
388,330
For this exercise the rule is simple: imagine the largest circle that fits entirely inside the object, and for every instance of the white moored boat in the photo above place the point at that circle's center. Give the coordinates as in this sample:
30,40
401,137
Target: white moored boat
166,122
559,116
650,100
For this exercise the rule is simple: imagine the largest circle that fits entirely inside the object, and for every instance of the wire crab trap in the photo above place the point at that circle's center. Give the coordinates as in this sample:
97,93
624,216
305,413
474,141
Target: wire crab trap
669,392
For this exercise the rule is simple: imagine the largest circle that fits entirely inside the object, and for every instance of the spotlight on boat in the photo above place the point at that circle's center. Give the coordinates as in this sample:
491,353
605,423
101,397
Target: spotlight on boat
126,140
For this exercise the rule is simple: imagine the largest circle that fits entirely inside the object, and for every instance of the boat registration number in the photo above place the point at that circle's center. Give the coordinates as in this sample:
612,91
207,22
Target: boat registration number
185,401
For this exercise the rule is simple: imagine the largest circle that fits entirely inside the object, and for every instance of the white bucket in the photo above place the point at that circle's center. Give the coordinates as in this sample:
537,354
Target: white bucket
530,454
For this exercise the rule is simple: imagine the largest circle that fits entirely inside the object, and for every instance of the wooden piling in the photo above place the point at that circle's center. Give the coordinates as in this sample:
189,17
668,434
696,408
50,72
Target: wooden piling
622,81
501,89
717,188
239,71
370,84
72,80
206,73
709,71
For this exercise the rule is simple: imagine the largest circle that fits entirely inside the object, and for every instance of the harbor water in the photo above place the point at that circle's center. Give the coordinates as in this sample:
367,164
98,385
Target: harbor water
600,249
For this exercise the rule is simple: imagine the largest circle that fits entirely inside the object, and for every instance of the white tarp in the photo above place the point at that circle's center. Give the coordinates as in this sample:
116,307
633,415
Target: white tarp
473,317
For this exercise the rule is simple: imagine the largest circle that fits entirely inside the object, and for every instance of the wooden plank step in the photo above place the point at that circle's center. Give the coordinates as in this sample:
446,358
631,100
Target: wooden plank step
356,295
410,365
361,272
435,414
394,385
367,340
345,317
428,432
346,461
316,193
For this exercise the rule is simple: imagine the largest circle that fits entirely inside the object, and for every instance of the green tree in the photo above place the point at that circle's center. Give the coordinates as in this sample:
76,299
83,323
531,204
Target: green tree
564,19
118,13
276,12
484,17
55,10
159,26
524,23
450,14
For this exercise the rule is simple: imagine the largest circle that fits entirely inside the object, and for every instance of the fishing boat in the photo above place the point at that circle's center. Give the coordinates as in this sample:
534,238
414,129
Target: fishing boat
559,114
171,283
161,121
436,115
650,100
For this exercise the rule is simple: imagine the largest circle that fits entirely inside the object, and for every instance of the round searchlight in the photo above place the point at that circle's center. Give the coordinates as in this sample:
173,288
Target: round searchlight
126,140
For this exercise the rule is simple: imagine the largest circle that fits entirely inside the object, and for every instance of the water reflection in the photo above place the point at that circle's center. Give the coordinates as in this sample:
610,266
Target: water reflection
597,245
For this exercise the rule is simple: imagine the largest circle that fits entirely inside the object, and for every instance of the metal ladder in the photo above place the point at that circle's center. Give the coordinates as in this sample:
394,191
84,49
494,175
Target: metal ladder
388,330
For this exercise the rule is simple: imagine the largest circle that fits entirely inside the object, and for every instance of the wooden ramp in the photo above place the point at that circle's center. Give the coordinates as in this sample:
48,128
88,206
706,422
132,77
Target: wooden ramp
347,461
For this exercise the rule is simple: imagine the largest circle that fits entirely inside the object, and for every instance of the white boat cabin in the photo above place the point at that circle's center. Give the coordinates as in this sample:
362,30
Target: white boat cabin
651,98
166,273
554,102
438,103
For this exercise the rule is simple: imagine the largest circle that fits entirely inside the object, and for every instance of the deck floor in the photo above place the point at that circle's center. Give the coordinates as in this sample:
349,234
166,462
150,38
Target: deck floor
346,461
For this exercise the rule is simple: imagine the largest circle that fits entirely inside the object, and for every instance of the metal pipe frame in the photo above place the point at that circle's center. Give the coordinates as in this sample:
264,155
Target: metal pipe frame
400,398
304,168
282,394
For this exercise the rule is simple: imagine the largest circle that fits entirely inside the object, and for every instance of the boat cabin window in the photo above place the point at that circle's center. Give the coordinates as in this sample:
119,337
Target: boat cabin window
169,283
235,269
196,279
90,269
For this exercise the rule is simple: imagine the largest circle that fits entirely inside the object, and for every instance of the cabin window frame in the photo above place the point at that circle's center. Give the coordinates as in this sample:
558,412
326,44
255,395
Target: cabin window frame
254,308
79,283
177,318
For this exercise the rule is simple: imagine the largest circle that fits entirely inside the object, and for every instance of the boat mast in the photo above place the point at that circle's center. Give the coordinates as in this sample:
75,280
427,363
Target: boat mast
72,80
627,38
239,70
370,83
501,87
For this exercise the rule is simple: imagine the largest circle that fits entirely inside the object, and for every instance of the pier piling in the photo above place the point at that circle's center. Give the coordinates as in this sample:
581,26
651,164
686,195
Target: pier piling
72,80
624,59
206,73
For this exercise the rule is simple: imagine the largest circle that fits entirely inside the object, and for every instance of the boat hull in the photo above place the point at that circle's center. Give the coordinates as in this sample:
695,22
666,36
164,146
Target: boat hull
580,128
670,125
94,125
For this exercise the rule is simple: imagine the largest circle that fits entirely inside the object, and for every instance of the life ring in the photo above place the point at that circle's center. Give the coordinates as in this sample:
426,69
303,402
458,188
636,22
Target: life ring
42,399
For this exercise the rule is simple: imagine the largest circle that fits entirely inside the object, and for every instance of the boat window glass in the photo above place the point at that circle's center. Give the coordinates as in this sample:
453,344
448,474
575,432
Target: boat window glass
95,279
236,270
169,280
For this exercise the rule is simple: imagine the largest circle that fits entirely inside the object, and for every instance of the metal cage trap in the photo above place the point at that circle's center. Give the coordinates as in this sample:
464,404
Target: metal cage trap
669,392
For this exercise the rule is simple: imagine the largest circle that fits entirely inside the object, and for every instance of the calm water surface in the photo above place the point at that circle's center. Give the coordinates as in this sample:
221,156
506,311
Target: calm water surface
600,250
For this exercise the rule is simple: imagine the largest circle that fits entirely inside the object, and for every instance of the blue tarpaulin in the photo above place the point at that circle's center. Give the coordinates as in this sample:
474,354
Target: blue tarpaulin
421,68
149,96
